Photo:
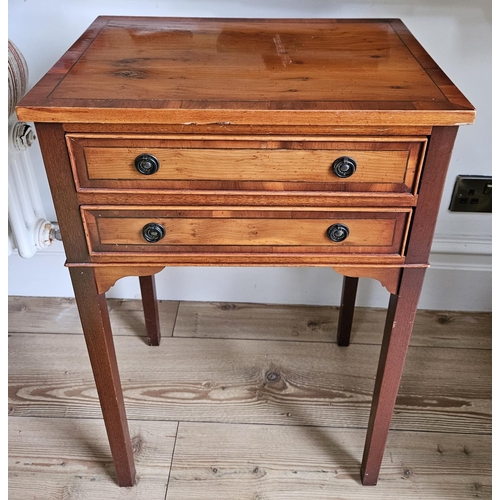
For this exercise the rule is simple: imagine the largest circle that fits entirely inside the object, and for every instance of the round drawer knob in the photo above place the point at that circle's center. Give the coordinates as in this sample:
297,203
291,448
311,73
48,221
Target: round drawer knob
344,166
147,164
337,232
153,232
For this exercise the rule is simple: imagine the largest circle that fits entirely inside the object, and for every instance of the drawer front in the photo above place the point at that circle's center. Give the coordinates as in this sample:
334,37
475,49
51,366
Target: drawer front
215,230
287,164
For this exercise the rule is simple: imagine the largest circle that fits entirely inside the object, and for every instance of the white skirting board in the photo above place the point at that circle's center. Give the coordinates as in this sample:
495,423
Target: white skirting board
459,279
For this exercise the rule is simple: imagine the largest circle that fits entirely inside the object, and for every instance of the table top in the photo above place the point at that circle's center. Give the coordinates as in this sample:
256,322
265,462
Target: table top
247,71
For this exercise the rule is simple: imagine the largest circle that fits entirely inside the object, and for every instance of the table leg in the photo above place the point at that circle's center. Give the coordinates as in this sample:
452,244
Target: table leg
398,328
150,306
346,312
94,317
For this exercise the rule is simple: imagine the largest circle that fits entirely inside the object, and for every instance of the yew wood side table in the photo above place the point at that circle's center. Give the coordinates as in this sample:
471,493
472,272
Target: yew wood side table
246,142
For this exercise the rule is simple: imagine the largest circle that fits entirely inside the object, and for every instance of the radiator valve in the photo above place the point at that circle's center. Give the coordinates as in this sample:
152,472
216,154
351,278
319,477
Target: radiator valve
23,136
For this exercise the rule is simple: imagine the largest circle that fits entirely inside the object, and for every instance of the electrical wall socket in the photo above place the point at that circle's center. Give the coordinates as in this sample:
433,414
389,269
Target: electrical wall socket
472,193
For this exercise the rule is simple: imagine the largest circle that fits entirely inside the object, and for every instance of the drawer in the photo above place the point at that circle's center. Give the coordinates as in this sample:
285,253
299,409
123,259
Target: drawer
230,230
104,162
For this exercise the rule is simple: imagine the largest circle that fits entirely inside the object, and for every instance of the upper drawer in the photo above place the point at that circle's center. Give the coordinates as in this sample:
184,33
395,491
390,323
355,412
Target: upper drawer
130,162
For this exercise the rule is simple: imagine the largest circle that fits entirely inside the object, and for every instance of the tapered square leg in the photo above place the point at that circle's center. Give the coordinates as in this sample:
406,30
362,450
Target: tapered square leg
94,317
150,306
398,328
346,312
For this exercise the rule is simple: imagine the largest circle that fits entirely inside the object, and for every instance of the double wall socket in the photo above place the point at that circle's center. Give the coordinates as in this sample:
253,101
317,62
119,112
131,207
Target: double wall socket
472,193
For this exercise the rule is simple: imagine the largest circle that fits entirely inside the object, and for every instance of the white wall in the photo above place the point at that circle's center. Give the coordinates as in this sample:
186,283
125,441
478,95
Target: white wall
457,34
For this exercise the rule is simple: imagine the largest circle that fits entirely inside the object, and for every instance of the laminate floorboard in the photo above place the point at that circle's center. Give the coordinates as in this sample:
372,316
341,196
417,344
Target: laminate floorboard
248,401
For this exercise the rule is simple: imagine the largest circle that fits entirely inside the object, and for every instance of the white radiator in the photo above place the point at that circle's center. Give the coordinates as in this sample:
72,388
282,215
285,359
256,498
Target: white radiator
29,230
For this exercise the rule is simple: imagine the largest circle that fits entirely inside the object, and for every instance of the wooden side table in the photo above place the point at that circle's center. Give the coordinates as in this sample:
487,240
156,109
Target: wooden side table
173,141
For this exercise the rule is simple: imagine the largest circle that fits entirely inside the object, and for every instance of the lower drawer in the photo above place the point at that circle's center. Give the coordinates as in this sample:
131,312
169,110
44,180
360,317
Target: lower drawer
195,230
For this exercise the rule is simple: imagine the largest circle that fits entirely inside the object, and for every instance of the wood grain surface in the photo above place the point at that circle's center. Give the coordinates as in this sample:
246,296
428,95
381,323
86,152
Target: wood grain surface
45,314
271,409
205,229
62,458
289,163
248,321
295,462
319,71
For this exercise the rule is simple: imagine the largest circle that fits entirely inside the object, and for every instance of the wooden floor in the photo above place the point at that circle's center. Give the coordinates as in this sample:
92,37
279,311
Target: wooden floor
247,402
